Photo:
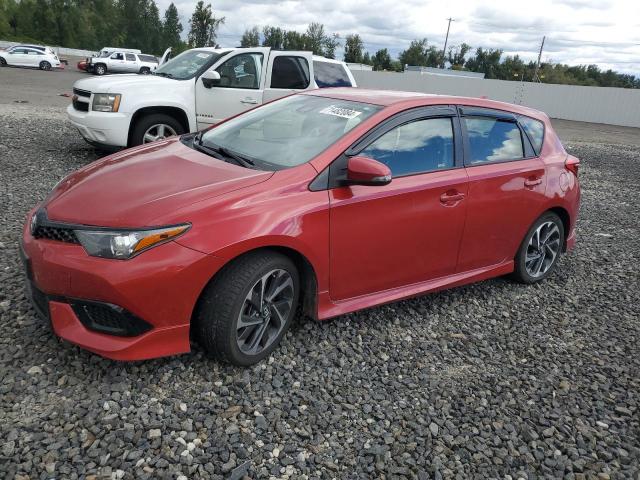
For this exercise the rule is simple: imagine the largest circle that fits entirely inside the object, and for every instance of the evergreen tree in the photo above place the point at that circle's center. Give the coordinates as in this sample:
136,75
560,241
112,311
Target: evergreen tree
203,26
353,49
172,28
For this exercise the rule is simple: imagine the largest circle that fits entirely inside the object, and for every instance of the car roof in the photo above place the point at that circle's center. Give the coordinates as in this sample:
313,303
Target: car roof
387,98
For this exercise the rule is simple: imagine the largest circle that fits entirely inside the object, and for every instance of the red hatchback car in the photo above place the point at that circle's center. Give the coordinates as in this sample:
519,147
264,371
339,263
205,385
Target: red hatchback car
324,202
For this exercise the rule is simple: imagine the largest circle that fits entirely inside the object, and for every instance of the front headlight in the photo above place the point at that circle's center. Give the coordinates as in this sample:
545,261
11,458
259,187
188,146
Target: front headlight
122,245
106,102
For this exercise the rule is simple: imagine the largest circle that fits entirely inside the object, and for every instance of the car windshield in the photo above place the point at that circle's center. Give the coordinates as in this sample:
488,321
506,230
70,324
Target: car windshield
288,132
187,64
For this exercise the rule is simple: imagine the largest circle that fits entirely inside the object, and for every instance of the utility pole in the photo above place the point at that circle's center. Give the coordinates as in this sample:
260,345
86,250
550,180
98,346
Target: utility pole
535,74
446,39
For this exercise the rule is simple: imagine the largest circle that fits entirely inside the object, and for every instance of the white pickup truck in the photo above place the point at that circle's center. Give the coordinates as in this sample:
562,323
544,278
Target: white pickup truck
122,61
196,89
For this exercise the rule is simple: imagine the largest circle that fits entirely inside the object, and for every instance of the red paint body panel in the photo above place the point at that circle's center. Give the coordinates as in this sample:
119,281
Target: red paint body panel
366,245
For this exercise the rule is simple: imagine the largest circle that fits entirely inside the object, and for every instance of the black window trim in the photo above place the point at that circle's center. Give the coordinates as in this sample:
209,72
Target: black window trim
239,54
502,115
544,132
309,69
334,174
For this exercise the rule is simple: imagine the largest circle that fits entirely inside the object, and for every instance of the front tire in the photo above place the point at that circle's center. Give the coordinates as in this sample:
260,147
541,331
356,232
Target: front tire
145,71
100,69
246,310
3,62
540,250
44,65
153,127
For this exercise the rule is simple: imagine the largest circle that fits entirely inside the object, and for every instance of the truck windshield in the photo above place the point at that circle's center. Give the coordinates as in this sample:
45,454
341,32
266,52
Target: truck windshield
187,64
287,132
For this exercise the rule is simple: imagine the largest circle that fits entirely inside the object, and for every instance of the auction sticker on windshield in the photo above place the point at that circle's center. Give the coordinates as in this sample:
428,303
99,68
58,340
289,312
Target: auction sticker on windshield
340,112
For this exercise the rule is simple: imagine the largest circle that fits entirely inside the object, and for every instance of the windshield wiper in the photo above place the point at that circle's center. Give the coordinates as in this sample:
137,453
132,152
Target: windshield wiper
221,152
163,74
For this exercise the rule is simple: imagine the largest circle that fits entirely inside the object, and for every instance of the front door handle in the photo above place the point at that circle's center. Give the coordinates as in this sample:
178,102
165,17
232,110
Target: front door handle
251,101
451,196
532,182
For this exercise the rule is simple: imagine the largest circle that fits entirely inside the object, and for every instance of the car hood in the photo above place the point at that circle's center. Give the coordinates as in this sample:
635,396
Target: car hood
138,187
124,82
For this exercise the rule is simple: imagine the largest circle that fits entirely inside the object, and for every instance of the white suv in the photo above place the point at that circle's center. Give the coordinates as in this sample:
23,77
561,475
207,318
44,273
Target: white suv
122,61
37,56
196,89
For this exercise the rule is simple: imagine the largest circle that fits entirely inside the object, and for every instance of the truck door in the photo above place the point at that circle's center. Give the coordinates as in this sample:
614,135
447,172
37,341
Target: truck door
117,62
287,73
241,86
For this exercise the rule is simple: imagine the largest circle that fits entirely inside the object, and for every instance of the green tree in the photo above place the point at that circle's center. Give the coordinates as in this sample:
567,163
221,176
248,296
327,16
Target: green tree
485,61
416,54
294,40
382,60
203,26
366,59
250,38
273,37
172,28
330,44
353,46
457,53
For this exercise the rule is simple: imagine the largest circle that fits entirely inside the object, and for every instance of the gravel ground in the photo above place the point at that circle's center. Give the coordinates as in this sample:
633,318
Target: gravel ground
493,380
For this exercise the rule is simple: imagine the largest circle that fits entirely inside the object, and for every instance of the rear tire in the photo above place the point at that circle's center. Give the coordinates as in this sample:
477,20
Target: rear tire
234,299
44,65
148,122
145,71
540,250
100,69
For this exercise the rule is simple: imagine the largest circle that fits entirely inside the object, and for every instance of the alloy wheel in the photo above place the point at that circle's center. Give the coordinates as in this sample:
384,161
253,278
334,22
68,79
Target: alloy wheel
542,250
265,311
159,131
45,66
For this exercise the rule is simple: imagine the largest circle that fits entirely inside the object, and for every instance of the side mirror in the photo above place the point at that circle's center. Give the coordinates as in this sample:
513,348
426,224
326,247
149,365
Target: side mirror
367,171
210,78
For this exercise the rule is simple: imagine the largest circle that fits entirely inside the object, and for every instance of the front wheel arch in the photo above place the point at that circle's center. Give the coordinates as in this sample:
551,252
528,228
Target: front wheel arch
177,113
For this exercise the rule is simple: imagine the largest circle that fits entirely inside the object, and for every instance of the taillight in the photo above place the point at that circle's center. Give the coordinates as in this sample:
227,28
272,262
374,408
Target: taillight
572,164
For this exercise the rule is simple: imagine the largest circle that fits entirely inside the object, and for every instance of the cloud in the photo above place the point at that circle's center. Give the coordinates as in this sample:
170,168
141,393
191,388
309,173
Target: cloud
604,32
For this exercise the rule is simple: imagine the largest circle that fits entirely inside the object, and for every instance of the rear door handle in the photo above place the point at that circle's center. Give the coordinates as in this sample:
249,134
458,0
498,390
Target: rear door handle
251,101
532,182
450,197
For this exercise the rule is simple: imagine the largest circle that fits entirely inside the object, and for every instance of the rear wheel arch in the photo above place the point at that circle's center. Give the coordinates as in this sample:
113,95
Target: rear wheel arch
175,112
566,222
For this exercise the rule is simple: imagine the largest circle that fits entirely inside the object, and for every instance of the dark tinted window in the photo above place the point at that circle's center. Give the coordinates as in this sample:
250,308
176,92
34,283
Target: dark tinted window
493,140
241,71
130,57
148,58
535,132
290,72
117,56
330,75
416,147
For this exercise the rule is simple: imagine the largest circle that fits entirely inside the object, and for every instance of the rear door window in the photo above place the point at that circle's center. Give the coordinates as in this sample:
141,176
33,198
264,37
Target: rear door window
290,72
328,74
493,140
130,57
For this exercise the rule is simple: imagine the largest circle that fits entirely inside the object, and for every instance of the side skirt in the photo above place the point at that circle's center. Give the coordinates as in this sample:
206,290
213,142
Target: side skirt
328,308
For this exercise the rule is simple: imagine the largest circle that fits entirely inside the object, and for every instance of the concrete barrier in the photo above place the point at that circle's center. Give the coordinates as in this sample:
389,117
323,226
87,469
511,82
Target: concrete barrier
613,106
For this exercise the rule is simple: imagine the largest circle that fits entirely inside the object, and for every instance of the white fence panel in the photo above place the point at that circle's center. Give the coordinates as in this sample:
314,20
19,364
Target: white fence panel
613,106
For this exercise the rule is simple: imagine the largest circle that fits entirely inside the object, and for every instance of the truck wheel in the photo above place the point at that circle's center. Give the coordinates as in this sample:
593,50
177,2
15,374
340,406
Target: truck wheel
100,69
153,127
145,71
45,66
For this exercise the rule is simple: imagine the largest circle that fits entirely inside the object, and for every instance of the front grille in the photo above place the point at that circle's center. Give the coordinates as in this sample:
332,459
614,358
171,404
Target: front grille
81,93
60,234
80,106
109,319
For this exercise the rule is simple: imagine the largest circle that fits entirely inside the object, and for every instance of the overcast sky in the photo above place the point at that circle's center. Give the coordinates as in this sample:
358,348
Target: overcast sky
604,32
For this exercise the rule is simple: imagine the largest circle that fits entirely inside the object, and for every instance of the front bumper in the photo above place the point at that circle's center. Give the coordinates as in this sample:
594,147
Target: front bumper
160,287
105,129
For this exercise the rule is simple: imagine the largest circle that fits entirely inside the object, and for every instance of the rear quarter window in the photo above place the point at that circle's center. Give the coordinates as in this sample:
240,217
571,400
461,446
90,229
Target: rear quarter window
148,58
535,131
329,74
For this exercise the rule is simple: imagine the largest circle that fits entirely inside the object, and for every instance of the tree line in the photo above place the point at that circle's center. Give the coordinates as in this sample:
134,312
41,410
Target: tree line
93,24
